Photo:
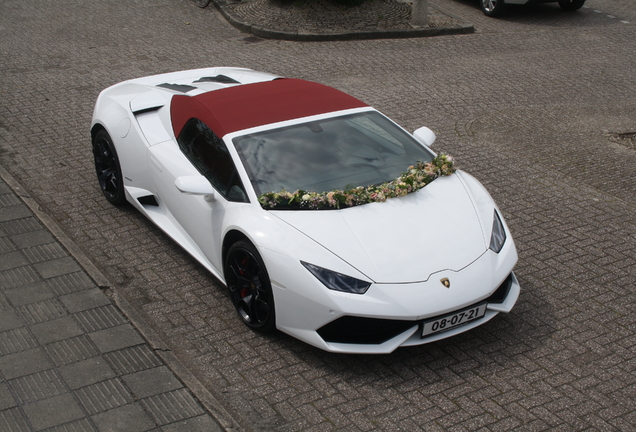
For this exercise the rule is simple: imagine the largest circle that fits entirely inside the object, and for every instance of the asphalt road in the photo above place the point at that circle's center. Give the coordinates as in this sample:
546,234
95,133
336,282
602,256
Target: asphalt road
539,105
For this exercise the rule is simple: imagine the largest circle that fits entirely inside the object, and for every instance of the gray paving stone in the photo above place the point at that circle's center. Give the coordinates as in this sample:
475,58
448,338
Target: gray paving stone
4,303
129,418
71,350
9,320
13,213
54,411
13,420
12,260
56,330
21,226
81,301
57,267
16,340
100,318
34,313
18,276
29,293
152,382
38,386
32,238
6,245
104,396
86,372
24,363
70,283
171,407
6,398
116,338
133,359
9,200
45,252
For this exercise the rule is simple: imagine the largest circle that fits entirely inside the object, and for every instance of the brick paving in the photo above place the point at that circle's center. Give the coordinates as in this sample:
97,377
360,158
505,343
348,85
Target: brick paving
533,104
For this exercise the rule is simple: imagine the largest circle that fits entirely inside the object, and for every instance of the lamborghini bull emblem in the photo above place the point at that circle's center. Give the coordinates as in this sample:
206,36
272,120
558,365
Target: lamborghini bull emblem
445,282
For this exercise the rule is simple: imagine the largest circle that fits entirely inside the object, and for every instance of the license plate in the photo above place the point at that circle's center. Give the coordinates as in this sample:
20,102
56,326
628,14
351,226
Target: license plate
453,320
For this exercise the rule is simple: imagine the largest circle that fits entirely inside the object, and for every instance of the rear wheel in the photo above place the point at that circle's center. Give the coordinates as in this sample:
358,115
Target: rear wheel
492,8
250,289
571,5
202,3
108,169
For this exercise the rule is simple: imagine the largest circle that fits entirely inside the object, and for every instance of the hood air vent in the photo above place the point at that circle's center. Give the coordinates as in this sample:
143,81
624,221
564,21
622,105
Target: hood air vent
221,79
183,88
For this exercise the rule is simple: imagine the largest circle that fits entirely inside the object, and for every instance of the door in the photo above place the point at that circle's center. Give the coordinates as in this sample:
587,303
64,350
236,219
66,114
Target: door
199,153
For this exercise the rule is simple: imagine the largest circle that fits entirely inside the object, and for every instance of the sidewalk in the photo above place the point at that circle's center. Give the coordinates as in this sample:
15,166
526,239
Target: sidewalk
70,360
324,20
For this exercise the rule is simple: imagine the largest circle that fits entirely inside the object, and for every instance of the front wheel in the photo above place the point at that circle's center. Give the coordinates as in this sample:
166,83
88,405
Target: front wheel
492,8
202,3
108,169
571,5
250,288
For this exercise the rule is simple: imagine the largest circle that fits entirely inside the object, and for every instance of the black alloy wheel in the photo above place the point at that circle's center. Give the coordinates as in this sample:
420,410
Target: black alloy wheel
492,8
571,5
108,170
250,287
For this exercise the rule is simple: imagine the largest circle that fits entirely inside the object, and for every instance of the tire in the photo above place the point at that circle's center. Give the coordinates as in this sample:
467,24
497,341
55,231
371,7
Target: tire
250,288
108,169
202,3
571,5
492,8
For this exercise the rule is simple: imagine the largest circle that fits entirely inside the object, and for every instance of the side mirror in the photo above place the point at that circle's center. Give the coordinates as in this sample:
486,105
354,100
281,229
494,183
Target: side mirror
425,136
195,185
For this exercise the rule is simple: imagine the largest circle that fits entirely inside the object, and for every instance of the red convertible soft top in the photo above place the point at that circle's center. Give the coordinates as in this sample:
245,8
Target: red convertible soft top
245,106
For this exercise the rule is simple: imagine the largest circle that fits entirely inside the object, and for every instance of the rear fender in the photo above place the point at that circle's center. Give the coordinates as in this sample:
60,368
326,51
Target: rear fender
129,144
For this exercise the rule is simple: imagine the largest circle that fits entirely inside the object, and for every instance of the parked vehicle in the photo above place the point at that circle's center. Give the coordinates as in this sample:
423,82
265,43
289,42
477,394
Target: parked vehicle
494,8
325,219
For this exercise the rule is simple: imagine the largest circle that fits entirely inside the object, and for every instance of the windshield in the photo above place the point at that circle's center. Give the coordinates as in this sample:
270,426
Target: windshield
333,154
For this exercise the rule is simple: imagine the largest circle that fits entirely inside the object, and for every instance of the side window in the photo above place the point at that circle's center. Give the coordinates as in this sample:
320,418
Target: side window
210,156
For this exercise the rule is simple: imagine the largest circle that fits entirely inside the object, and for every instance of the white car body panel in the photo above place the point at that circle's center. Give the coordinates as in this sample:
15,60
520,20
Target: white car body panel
403,246
363,236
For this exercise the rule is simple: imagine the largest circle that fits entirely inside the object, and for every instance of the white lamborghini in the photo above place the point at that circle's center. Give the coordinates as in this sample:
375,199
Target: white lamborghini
325,219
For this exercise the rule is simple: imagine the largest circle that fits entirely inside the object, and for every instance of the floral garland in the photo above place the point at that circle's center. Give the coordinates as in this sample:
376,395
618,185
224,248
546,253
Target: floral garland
417,176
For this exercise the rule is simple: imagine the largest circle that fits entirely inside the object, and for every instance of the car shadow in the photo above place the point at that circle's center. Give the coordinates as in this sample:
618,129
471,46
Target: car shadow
503,343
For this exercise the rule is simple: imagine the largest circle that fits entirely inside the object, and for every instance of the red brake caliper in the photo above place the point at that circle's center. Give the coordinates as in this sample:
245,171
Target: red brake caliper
244,291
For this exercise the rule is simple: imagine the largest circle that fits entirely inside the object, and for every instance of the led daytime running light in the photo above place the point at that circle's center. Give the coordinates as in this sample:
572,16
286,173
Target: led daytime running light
337,281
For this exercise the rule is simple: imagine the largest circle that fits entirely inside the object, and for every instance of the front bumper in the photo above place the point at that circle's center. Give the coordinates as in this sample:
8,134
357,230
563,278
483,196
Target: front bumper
389,315
384,336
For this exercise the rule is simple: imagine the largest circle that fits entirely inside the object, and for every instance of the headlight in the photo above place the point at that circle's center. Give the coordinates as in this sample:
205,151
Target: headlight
337,281
498,236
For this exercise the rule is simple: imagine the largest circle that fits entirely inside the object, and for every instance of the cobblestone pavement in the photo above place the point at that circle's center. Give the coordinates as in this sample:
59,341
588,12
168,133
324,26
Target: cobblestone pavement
379,14
329,20
539,105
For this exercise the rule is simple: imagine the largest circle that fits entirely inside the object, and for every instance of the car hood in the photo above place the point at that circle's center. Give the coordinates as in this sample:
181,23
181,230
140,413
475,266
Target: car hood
404,239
